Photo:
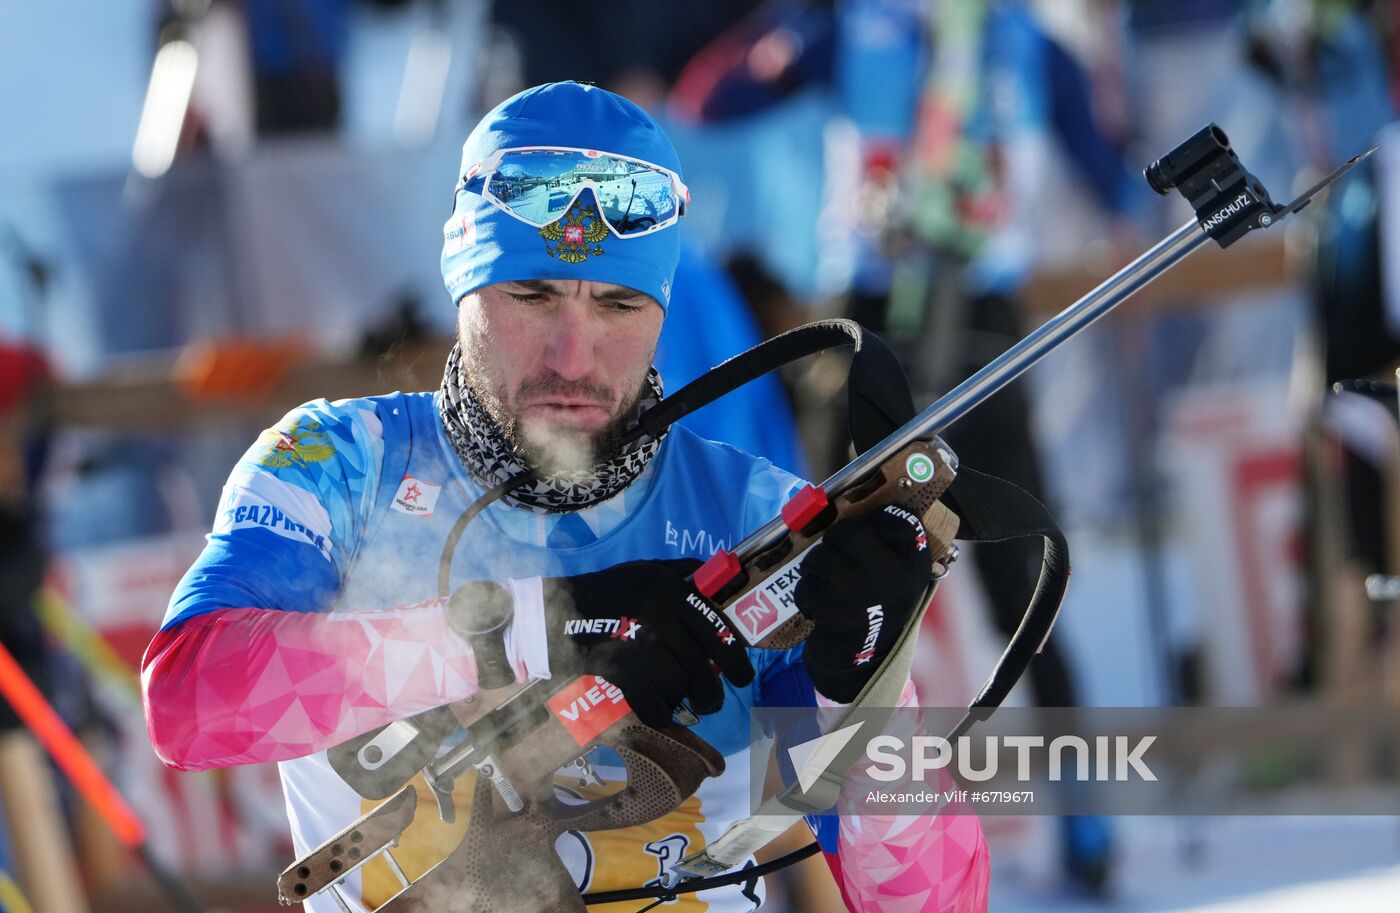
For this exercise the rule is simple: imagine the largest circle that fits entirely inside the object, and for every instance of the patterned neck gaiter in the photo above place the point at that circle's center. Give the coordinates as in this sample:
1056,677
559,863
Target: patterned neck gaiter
491,459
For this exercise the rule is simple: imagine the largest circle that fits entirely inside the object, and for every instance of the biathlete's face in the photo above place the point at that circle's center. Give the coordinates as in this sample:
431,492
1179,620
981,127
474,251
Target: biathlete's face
559,364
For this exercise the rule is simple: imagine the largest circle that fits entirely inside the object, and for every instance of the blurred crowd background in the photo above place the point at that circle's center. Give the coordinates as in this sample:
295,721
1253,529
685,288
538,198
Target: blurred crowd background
212,210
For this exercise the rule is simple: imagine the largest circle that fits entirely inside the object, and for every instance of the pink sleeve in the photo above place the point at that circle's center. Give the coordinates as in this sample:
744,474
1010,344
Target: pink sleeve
242,686
905,863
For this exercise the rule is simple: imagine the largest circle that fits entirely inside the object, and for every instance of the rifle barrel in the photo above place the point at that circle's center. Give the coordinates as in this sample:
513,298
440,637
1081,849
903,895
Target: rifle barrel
972,392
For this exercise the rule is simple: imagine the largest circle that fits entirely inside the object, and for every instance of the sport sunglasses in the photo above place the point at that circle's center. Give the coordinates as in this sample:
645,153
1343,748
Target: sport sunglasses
538,184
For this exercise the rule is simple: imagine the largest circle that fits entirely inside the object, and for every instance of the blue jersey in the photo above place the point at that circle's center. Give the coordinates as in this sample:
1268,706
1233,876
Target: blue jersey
344,507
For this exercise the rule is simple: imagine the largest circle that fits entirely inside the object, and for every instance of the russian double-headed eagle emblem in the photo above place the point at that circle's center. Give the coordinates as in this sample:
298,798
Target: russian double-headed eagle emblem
577,235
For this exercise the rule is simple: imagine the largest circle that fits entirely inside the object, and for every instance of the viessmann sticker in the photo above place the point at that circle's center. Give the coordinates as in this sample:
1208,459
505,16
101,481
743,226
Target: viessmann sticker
588,706
759,612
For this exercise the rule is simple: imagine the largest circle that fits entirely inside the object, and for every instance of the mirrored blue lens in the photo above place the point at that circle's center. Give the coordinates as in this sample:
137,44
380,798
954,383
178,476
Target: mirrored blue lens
539,185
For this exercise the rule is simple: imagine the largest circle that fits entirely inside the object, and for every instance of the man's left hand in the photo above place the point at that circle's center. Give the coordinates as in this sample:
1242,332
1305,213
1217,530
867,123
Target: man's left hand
859,586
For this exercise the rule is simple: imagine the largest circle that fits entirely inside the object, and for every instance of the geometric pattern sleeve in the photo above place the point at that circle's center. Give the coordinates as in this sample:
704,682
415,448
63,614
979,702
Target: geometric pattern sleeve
906,863
249,685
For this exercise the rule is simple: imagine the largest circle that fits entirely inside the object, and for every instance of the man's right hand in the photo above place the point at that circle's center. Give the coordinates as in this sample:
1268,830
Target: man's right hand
633,625
636,626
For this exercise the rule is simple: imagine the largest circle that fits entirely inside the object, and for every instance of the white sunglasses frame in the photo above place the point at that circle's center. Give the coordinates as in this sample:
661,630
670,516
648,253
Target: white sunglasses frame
486,169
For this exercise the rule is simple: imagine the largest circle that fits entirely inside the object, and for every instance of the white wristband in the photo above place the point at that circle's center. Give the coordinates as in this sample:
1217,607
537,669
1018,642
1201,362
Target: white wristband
526,643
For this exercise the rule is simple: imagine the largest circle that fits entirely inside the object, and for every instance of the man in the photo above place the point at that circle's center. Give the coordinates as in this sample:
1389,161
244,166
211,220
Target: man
311,616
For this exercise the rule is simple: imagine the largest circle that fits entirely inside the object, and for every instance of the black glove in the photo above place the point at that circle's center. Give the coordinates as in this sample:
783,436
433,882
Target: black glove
634,625
859,586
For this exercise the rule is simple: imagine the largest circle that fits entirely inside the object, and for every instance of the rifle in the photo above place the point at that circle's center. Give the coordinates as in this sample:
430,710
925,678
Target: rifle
520,734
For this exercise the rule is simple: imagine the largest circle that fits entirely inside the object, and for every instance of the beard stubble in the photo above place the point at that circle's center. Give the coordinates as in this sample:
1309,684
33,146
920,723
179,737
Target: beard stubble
557,451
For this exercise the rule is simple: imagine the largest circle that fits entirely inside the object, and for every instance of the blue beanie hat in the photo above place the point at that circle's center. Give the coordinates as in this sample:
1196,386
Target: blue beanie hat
483,245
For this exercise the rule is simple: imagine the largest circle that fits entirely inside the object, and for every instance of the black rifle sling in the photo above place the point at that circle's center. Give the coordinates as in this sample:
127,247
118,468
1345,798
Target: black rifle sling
989,510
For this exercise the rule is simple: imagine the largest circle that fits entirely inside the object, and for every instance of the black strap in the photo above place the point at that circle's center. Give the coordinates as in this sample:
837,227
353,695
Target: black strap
989,510
877,387
993,510
704,884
